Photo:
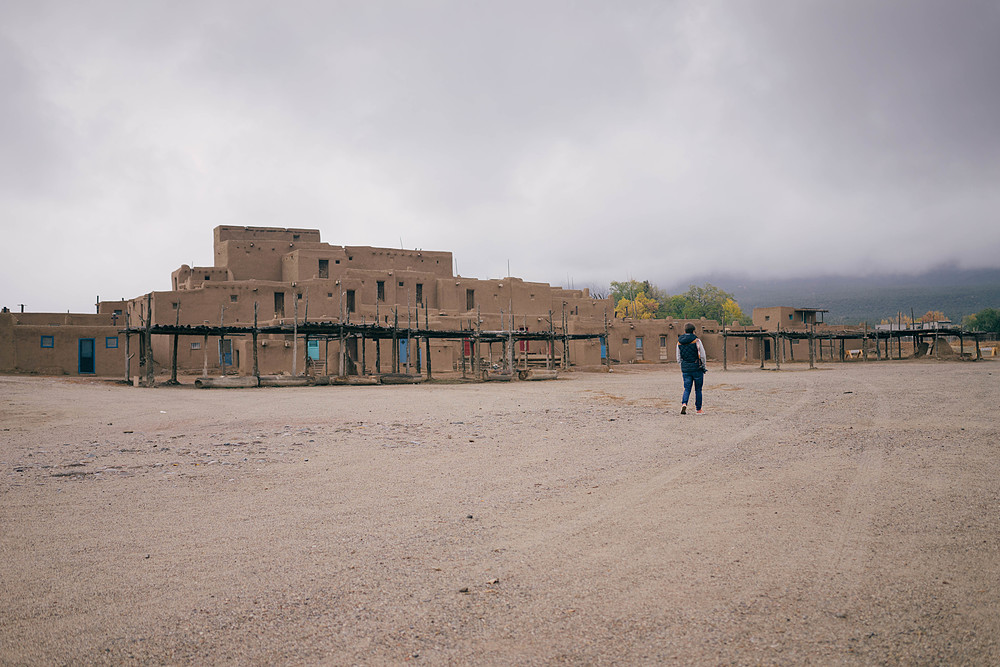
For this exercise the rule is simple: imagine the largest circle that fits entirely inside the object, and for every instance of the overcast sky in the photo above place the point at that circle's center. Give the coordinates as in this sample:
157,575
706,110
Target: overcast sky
582,142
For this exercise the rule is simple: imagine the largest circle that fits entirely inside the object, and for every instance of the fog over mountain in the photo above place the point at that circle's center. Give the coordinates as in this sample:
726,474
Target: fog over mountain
854,299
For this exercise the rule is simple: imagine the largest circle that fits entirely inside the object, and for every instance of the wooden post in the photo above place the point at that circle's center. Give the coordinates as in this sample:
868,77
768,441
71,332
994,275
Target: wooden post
409,327
607,340
395,341
465,341
725,346
222,340
173,363
812,347
256,365
295,334
128,348
979,353
342,367
427,341
150,378
760,346
864,344
777,343
173,356
204,357
476,370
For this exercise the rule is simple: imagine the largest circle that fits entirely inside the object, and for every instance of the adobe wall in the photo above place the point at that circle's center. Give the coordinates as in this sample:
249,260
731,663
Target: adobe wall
21,340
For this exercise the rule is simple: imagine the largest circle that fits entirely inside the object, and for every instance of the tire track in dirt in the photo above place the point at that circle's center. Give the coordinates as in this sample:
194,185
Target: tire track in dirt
640,492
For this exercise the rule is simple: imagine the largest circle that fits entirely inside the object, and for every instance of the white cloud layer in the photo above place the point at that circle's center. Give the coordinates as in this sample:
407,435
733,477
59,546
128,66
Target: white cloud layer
583,142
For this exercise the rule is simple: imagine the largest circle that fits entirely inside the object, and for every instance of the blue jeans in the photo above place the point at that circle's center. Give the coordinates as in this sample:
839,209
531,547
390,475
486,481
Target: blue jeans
696,378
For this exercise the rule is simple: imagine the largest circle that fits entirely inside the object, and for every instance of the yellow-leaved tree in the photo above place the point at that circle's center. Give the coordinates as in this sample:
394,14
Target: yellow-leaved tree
639,307
731,311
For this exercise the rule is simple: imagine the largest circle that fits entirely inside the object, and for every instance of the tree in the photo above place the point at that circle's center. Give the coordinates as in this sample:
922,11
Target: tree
933,316
987,319
643,300
731,312
640,307
628,289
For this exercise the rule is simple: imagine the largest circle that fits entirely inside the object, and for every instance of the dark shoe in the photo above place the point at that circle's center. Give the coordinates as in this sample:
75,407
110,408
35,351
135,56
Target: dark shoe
684,408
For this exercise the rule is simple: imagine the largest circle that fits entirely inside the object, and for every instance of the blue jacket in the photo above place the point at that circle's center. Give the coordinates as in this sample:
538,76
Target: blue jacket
689,354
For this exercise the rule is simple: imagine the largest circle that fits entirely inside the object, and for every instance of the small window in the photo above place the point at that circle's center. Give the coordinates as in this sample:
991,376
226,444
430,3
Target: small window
624,341
299,296
233,298
663,341
791,316
48,341
175,305
196,345
329,295
380,290
295,237
400,283
111,342
420,294
349,259
324,268
470,299
336,261
767,318
208,277
118,312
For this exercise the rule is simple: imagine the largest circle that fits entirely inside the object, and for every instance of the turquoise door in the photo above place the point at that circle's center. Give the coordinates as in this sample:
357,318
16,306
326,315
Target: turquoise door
87,365
404,350
604,348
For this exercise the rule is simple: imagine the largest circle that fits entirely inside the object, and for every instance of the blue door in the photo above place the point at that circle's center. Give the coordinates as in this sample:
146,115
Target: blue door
404,349
226,352
86,359
604,348
312,350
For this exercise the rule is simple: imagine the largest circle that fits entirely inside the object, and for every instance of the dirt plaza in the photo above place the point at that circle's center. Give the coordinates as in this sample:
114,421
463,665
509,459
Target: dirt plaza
844,515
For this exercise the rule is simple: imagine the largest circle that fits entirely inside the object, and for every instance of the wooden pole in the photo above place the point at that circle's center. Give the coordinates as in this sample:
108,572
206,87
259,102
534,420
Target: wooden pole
222,340
295,334
256,364
173,356
128,348
812,347
864,344
725,347
150,380
778,344
427,341
395,341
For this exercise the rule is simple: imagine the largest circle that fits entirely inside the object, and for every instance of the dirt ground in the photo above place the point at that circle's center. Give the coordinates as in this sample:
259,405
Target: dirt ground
844,515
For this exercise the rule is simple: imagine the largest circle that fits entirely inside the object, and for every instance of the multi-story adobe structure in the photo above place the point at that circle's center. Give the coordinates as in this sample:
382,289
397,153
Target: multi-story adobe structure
290,275
277,276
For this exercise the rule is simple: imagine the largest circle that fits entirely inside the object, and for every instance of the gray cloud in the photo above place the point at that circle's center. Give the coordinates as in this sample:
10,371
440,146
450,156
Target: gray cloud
581,141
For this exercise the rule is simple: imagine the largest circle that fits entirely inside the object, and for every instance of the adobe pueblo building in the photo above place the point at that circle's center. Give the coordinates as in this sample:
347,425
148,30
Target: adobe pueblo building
281,303
295,305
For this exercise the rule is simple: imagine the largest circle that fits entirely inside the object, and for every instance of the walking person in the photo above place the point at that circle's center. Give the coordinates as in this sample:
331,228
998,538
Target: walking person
692,358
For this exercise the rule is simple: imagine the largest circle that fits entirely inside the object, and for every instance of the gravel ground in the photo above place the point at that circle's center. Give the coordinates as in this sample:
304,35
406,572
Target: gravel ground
845,515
